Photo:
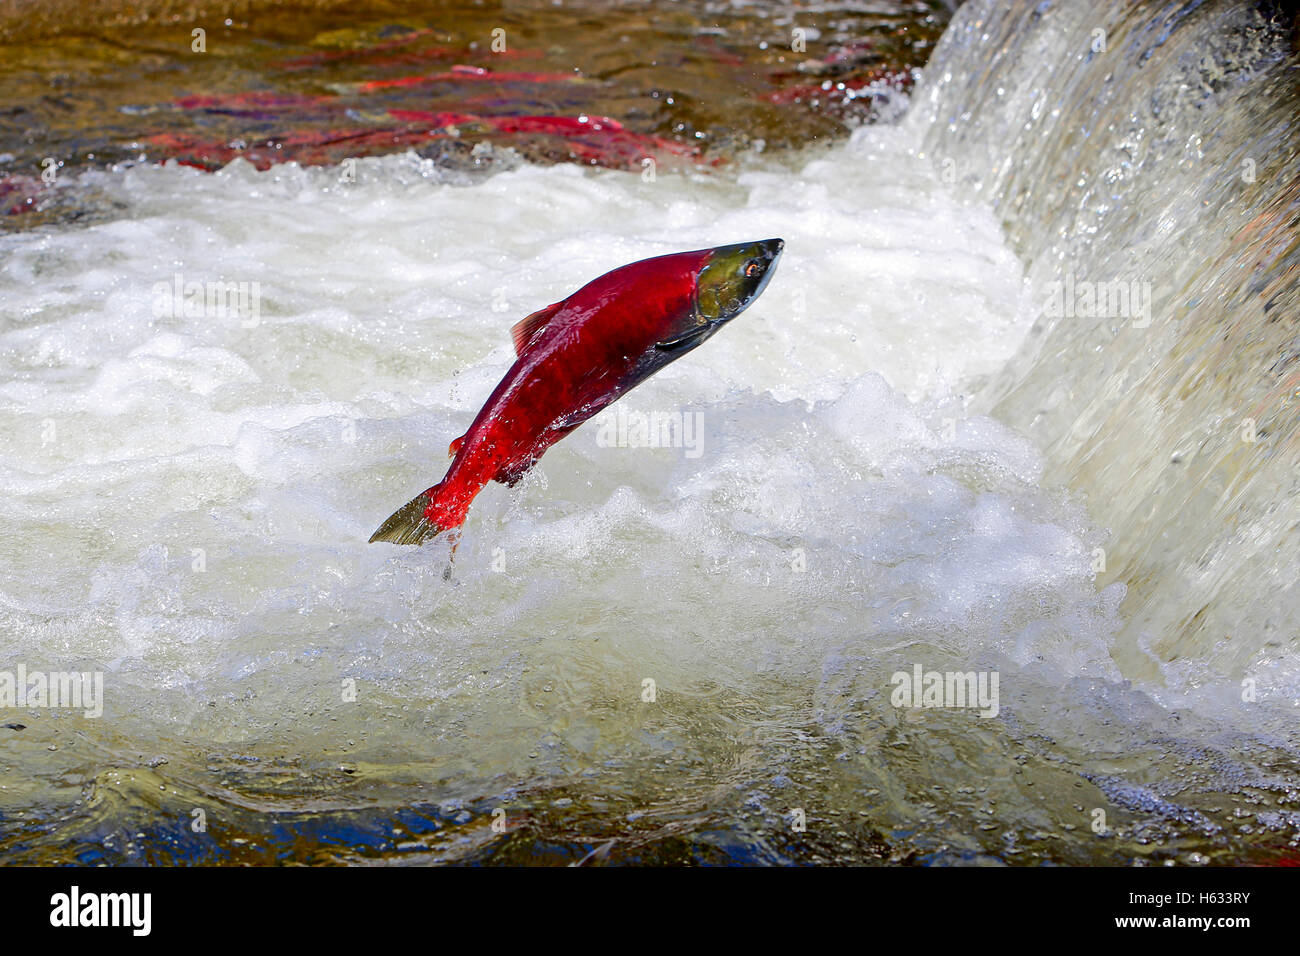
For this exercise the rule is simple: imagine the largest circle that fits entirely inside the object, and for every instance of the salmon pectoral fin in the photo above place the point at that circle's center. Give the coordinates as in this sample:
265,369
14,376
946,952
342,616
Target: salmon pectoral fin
408,525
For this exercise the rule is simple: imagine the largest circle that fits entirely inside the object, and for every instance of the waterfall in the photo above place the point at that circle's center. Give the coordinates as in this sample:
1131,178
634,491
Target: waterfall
1135,150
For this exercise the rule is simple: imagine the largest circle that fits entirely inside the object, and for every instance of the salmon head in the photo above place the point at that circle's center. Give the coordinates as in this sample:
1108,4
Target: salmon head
731,279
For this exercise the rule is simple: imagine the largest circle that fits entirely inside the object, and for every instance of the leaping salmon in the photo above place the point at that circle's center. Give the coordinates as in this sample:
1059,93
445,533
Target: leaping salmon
577,356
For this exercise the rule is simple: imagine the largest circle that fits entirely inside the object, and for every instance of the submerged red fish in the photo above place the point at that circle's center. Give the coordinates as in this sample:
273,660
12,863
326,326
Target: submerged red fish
577,356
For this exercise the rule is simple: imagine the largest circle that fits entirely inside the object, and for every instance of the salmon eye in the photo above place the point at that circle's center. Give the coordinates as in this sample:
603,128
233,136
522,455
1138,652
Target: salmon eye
752,269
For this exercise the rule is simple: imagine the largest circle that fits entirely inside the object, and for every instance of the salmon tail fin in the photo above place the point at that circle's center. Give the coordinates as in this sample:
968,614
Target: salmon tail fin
408,525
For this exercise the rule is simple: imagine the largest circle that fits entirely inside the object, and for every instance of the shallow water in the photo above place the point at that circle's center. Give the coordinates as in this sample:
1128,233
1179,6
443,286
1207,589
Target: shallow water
188,499
473,87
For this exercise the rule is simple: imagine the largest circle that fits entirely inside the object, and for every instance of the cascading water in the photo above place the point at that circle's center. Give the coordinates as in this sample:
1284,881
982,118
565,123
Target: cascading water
894,461
1152,146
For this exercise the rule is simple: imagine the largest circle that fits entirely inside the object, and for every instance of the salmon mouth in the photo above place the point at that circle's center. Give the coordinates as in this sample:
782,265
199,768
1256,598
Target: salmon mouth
770,252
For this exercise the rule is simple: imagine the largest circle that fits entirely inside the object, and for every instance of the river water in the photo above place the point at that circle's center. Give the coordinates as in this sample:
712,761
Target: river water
904,456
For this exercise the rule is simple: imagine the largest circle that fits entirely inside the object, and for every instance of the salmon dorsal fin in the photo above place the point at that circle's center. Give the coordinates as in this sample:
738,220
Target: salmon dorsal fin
454,447
525,330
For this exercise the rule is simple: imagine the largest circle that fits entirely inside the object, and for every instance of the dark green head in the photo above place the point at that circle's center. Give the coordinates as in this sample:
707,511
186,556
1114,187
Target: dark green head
732,278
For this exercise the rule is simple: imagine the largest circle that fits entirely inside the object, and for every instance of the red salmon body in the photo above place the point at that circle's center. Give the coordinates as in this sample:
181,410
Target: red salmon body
577,356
